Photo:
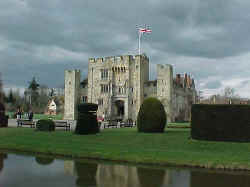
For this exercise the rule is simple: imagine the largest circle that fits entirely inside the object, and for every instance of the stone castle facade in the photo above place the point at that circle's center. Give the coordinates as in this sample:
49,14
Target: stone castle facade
120,84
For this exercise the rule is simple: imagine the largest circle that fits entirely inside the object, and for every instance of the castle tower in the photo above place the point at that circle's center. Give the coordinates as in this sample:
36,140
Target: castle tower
141,75
165,88
72,83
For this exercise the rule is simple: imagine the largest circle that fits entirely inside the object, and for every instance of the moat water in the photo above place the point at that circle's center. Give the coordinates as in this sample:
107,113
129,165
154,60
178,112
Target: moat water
29,171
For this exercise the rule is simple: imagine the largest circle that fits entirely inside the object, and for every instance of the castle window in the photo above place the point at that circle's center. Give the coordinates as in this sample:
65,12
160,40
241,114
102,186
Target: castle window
104,74
84,99
104,88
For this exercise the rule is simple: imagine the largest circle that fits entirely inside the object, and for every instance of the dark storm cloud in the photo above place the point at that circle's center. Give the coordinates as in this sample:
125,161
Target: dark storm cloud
44,37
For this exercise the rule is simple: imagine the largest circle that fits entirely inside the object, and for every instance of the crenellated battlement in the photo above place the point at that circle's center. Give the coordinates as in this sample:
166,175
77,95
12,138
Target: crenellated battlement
73,71
115,59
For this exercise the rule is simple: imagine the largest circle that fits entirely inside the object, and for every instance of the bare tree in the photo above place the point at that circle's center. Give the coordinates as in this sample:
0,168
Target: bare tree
229,92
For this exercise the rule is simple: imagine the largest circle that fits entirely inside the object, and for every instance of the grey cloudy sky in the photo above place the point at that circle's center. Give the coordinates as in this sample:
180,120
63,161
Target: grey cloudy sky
209,39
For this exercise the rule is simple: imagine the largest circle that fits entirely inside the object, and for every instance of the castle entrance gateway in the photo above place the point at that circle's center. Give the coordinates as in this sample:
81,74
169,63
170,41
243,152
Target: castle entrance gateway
119,110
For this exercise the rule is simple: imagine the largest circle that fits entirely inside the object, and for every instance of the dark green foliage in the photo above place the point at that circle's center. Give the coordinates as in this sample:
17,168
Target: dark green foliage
34,85
87,124
219,179
45,125
87,107
3,117
44,160
221,122
151,116
86,173
151,177
87,119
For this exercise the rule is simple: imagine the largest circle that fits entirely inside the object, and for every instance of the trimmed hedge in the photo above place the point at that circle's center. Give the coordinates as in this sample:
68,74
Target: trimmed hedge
45,125
87,119
151,116
87,107
220,122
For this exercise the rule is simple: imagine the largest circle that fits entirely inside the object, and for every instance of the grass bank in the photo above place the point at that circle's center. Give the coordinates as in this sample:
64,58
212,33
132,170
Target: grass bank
174,147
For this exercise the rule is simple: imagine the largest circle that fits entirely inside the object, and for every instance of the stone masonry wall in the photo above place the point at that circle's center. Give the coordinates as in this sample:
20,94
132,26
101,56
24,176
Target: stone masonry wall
72,84
165,88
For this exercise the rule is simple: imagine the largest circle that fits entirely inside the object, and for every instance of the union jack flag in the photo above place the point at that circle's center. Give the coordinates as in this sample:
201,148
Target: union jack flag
142,30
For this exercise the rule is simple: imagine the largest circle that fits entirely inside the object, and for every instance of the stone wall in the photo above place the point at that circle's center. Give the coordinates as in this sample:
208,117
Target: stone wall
165,88
72,93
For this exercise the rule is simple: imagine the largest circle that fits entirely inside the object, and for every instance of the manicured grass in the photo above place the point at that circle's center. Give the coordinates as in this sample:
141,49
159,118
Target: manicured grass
179,125
174,147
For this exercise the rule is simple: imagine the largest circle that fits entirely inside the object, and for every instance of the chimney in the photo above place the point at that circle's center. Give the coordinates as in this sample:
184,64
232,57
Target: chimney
189,81
185,80
178,79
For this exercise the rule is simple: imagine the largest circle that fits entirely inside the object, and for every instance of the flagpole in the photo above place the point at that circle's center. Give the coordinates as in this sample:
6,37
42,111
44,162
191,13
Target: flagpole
139,42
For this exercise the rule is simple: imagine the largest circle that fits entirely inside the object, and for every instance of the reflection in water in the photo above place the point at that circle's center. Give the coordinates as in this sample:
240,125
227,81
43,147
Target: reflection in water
28,171
69,167
117,175
86,173
212,179
2,157
151,177
44,160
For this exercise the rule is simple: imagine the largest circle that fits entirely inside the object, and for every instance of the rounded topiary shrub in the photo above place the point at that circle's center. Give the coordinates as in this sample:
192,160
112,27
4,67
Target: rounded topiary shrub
87,119
151,116
45,125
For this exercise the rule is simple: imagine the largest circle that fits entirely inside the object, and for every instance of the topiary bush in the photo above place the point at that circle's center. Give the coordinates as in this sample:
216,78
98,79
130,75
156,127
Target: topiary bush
151,116
220,122
87,119
87,107
45,125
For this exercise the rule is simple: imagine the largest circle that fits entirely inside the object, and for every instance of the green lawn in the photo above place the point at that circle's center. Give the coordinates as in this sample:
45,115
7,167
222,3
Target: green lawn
174,147
179,125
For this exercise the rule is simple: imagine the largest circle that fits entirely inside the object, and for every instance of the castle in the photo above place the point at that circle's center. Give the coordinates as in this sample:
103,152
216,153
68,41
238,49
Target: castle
120,84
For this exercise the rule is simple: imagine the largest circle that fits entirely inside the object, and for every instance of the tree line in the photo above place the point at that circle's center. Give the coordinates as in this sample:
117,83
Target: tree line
35,98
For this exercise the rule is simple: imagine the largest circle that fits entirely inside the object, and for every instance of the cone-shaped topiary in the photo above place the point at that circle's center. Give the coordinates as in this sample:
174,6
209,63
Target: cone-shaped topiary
151,116
87,119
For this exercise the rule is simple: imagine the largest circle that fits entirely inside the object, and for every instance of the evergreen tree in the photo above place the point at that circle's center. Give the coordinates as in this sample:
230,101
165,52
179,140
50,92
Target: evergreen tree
33,88
34,85
10,98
